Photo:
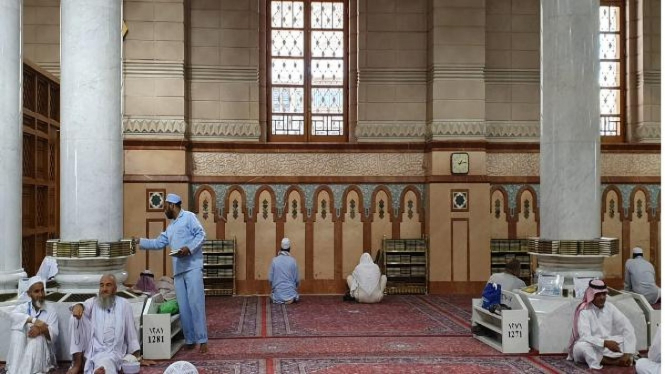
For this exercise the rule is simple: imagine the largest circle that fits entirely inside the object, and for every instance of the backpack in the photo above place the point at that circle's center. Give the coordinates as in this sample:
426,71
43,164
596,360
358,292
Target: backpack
491,295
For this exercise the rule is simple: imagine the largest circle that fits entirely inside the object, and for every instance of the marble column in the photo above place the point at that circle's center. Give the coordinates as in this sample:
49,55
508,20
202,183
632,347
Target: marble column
569,132
11,144
91,194
91,135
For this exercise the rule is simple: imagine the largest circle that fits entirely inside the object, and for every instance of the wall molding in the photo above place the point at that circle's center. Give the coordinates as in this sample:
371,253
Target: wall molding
513,130
163,128
223,73
648,132
459,128
437,72
307,164
394,76
651,77
151,69
231,130
512,76
391,131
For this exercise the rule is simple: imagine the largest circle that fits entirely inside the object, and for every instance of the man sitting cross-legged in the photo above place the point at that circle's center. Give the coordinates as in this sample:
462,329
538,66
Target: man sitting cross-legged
102,332
602,335
34,328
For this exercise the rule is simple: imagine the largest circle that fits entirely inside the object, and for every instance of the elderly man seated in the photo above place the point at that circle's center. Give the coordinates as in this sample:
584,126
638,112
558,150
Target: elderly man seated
34,328
366,284
102,332
601,335
640,277
283,276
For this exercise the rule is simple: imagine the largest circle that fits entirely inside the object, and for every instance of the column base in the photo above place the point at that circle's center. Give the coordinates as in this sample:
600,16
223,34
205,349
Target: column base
9,280
81,275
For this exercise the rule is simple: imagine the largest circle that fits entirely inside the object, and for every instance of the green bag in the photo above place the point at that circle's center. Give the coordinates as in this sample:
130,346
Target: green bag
169,307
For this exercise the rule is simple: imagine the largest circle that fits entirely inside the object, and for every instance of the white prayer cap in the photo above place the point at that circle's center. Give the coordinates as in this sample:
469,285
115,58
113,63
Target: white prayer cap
286,243
35,279
638,251
173,198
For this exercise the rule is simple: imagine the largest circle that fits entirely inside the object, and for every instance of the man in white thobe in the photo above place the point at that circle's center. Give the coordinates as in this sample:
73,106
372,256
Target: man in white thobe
651,364
509,279
640,277
34,328
366,284
601,335
102,331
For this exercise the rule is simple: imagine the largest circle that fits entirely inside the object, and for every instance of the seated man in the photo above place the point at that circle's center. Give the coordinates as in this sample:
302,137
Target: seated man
102,331
366,284
651,364
509,279
283,276
602,335
34,328
640,277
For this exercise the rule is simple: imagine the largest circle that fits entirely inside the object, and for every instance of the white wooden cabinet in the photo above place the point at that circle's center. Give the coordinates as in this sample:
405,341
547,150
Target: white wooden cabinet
161,333
507,332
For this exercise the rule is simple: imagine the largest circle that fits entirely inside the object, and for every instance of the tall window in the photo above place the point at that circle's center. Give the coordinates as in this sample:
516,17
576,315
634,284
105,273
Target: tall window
612,95
307,71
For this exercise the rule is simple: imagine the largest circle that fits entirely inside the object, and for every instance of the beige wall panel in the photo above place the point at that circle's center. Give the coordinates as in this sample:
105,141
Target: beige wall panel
236,227
460,249
439,229
152,162
381,227
324,241
410,227
479,239
158,257
611,227
206,215
639,226
352,235
264,238
498,225
526,222
294,229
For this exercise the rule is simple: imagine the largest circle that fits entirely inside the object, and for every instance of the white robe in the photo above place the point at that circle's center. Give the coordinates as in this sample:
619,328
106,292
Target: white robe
597,325
650,365
105,336
366,284
640,277
31,355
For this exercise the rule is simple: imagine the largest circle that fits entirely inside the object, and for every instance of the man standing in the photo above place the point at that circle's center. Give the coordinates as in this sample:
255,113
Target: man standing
640,277
185,236
283,276
509,279
601,335
34,328
102,331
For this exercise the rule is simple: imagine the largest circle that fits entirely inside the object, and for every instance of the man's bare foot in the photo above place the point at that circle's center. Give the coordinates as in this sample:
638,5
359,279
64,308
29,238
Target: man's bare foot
625,360
145,362
100,370
203,348
77,364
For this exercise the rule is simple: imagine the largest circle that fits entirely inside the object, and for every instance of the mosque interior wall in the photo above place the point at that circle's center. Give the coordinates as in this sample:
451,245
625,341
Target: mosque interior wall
429,78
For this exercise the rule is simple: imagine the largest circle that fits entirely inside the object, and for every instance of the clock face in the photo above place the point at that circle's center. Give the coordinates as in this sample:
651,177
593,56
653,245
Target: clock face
459,163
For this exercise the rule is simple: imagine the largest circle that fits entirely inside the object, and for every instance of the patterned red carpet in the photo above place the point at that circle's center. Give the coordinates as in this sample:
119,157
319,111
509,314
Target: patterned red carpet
323,334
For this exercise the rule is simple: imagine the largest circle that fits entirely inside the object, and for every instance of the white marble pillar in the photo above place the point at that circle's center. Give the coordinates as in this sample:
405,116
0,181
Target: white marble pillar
569,131
91,133
91,198
11,144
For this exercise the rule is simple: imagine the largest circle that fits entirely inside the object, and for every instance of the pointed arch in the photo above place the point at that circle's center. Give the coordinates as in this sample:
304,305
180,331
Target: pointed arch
287,208
331,207
257,204
360,206
389,206
603,207
503,192
197,196
228,204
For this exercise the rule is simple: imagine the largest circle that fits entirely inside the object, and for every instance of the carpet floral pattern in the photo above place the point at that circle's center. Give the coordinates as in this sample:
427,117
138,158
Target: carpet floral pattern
394,316
323,334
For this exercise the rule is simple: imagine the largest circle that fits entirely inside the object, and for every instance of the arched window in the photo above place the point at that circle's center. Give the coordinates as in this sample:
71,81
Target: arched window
307,71
612,71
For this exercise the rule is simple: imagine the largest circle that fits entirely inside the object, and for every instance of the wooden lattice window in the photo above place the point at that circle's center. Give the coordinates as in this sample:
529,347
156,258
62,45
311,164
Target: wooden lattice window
307,85
612,73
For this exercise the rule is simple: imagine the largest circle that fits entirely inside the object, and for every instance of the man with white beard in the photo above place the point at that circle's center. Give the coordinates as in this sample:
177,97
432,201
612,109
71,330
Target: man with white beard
102,331
34,328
